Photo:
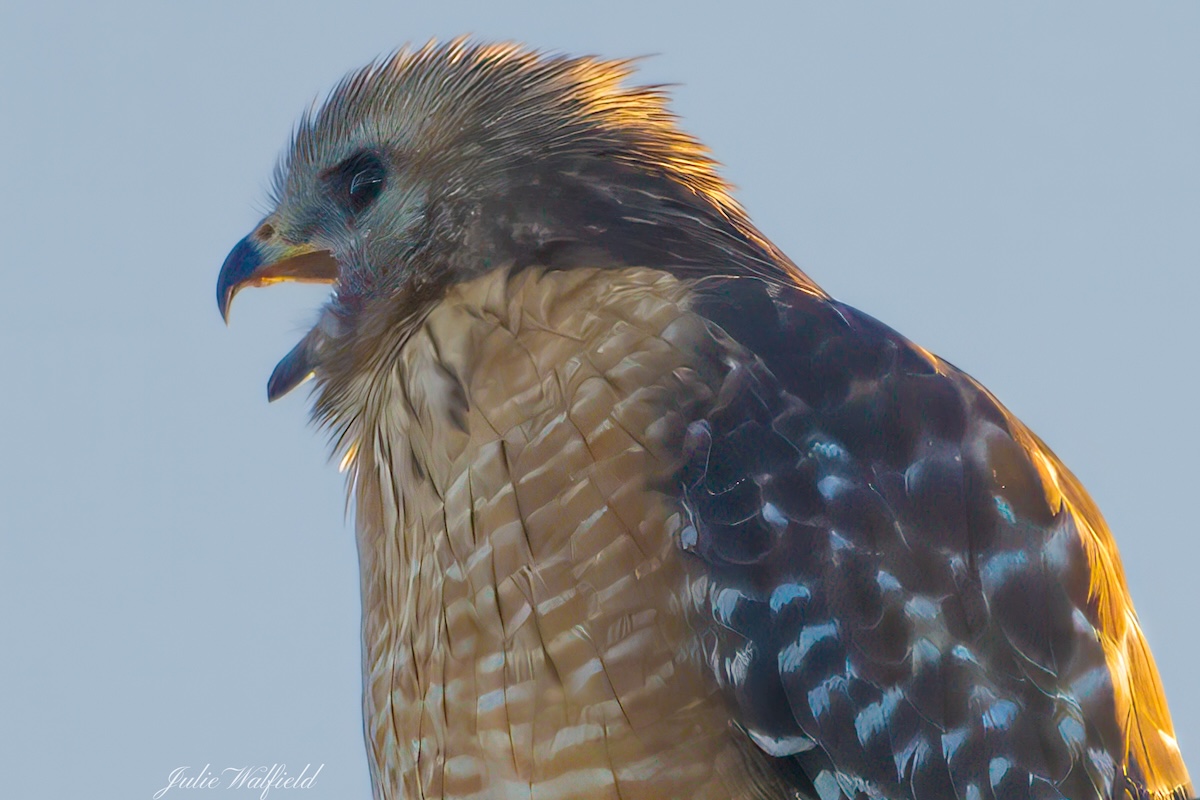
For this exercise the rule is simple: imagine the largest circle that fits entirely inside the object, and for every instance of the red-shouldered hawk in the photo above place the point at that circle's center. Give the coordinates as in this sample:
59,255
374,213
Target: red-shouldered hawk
641,511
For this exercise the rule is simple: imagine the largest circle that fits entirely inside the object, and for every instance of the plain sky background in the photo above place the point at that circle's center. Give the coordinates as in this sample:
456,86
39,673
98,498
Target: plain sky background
1016,189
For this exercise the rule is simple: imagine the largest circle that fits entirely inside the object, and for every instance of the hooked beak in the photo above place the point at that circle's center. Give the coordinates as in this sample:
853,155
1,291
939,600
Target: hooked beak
261,259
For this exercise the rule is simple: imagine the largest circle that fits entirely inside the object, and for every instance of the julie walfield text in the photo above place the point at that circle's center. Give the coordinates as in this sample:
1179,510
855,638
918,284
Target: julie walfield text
262,779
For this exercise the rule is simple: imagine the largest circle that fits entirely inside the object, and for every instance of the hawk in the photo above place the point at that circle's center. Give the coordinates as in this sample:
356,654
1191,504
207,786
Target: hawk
641,511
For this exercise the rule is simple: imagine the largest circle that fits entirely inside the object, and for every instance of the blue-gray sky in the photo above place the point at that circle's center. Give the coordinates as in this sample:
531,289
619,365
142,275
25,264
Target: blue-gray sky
1016,188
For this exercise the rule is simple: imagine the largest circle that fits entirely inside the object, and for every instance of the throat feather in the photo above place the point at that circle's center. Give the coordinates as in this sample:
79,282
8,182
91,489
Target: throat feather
519,555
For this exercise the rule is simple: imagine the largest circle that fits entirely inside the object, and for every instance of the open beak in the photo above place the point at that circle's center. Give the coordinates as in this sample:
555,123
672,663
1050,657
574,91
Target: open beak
261,259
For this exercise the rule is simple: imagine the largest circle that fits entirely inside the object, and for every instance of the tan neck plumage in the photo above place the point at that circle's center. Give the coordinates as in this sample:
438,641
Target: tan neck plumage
523,627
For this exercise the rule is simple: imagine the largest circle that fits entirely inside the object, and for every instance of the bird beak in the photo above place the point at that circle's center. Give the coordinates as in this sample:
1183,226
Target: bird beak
262,258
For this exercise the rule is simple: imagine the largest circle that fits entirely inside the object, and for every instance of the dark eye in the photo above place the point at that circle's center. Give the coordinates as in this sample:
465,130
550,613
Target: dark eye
365,186
358,180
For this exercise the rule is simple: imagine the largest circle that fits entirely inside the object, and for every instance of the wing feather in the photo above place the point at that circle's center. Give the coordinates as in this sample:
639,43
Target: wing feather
908,594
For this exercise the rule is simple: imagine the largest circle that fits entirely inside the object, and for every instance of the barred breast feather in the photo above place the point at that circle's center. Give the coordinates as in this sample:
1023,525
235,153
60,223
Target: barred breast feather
630,535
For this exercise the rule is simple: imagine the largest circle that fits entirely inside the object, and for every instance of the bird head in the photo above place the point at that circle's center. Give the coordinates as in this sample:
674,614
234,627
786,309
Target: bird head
436,165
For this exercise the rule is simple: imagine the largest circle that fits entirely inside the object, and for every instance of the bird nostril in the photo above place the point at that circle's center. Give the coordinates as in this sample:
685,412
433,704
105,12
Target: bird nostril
264,232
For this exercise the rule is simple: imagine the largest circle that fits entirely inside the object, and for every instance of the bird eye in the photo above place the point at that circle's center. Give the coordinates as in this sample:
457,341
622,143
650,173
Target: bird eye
365,186
358,180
